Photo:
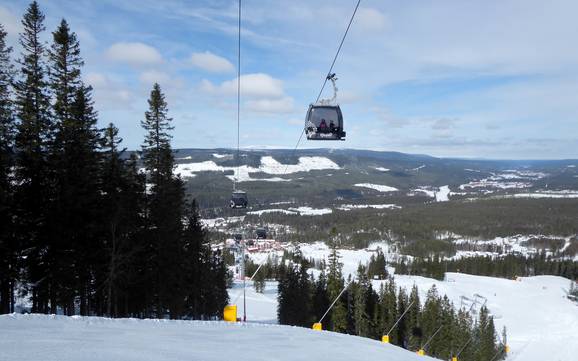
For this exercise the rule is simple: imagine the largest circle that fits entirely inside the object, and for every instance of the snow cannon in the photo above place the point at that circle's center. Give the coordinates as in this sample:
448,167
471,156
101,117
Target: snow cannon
317,326
421,352
454,358
230,313
385,338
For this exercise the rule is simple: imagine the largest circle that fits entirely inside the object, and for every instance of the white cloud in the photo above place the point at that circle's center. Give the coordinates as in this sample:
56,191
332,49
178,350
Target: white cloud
272,106
8,19
109,94
370,19
257,85
211,62
138,54
154,76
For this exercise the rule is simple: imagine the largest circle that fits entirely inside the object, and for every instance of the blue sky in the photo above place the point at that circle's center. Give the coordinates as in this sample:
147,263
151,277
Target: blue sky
490,79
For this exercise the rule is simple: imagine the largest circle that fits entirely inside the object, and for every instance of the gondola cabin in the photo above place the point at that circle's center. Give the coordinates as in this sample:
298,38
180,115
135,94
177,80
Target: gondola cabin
261,233
239,199
324,122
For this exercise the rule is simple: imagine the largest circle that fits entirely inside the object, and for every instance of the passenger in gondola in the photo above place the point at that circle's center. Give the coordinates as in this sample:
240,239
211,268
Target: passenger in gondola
323,126
332,127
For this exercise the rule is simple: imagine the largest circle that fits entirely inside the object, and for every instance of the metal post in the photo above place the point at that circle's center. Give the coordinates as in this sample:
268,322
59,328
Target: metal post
335,300
431,338
400,317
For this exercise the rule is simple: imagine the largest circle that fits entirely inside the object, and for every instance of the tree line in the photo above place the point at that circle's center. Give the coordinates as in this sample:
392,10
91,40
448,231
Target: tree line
508,266
87,229
435,325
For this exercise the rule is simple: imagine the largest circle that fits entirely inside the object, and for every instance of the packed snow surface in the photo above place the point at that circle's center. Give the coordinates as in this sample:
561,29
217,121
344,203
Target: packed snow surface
443,194
348,207
382,169
377,187
61,338
308,211
268,166
541,322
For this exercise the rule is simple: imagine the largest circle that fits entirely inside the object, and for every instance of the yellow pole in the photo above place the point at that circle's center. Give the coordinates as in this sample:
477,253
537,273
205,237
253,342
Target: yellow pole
385,338
455,358
317,326
421,352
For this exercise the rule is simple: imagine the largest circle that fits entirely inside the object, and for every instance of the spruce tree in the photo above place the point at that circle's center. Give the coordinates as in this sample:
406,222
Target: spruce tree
335,285
361,296
32,141
9,249
165,207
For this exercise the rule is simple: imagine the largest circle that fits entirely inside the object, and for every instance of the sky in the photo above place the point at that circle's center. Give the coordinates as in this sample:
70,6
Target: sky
451,78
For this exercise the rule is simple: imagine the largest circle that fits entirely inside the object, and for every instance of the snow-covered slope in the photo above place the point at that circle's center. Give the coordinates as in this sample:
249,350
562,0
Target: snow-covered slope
542,323
61,338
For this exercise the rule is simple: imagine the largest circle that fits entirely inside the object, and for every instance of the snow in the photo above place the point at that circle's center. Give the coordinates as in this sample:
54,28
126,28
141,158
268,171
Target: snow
219,156
302,211
348,207
261,307
541,322
62,338
508,179
219,222
377,187
381,169
264,211
308,211
268,165
550,194
443,194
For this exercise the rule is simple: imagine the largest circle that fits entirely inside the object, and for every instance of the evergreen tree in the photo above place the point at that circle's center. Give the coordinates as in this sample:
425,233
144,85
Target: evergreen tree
320,299
205,272
165,208
259,281
33,138
486,342
9,249
361,295
335,285
413,320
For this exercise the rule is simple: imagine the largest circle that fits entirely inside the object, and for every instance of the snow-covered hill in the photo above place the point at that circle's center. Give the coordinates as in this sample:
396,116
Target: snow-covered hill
60,338
542,323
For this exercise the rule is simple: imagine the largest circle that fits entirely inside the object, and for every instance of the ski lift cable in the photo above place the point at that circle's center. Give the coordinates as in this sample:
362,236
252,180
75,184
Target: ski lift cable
238,98
328,76
338,51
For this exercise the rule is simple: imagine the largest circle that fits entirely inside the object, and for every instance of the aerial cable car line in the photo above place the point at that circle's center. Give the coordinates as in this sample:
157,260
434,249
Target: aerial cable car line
330,75
238,197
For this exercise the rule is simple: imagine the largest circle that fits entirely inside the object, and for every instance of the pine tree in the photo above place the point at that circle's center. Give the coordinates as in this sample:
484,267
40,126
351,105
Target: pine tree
320,299
335,285
64,70
33,138
413,320
259,281
9,267
165,207
361,296
486,331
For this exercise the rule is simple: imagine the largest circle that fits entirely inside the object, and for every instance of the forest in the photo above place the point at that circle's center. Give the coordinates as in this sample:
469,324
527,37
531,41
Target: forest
87,229
435,326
